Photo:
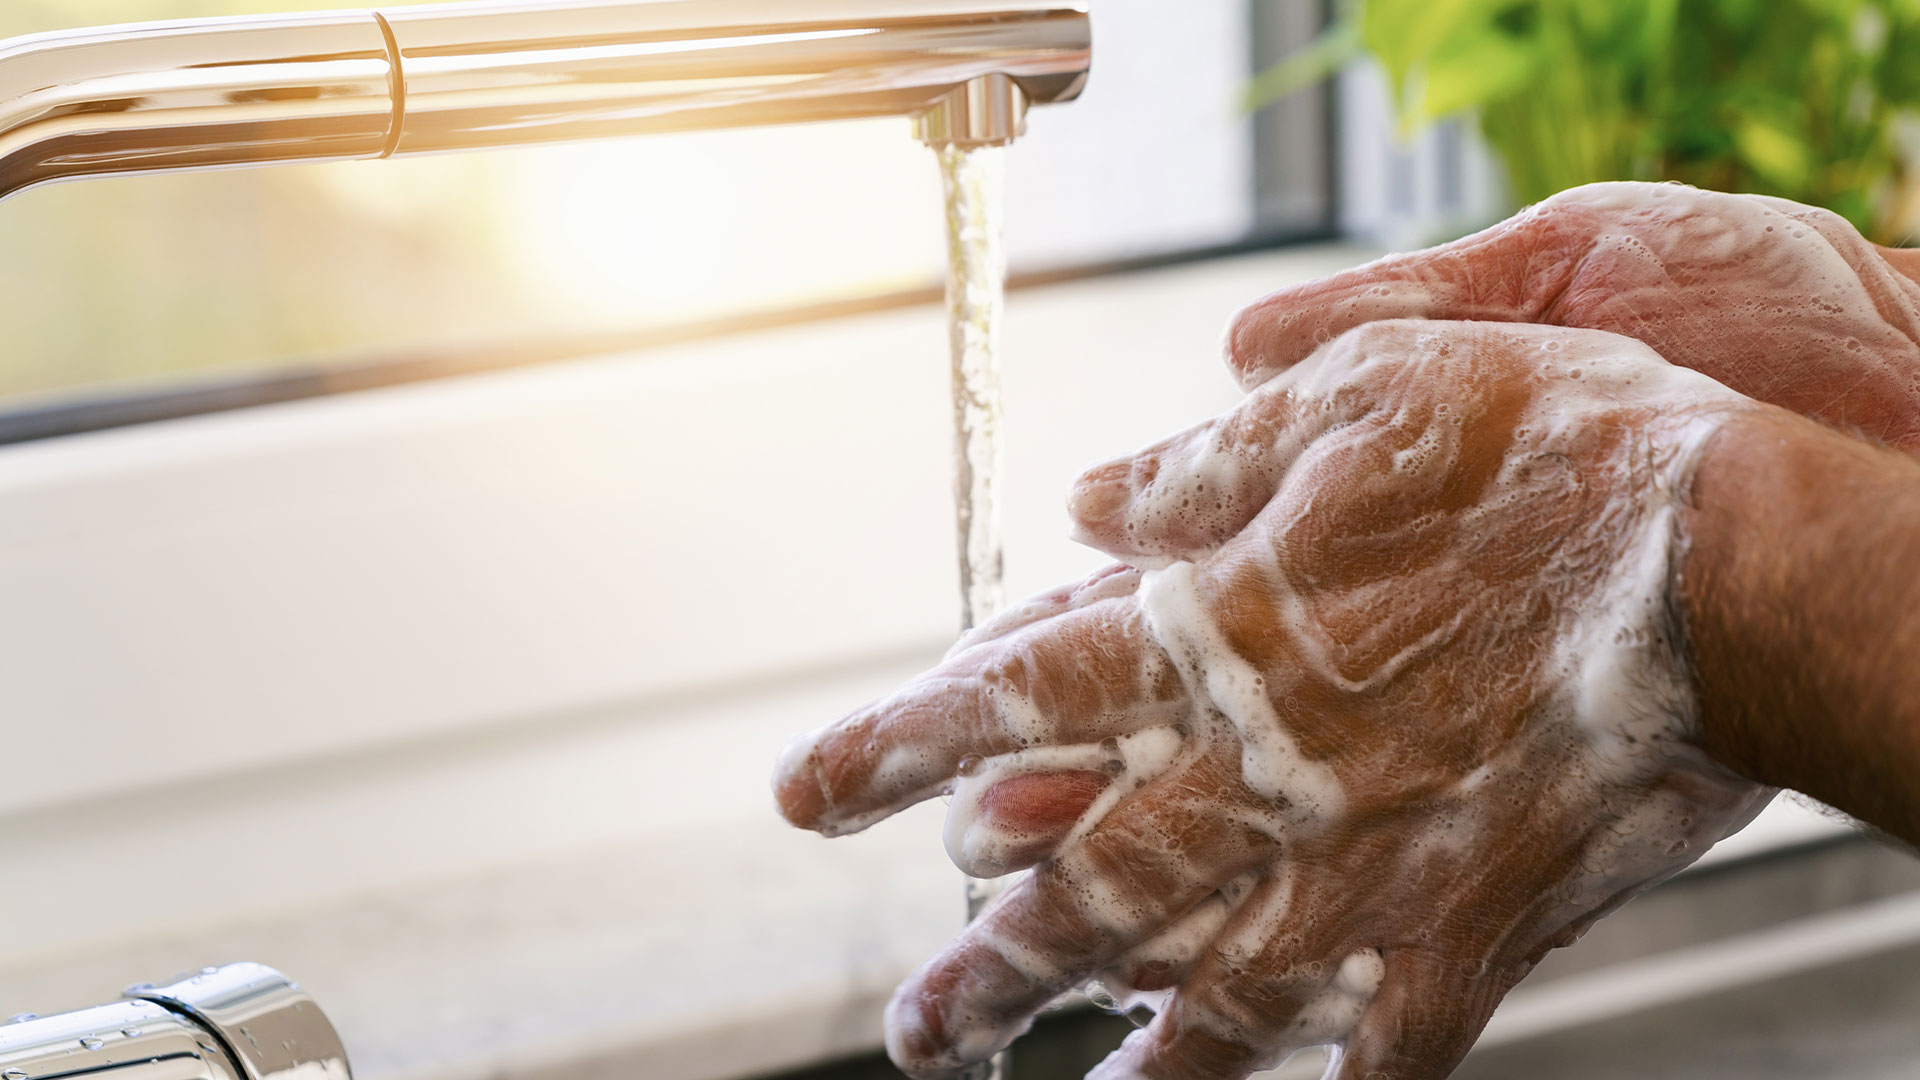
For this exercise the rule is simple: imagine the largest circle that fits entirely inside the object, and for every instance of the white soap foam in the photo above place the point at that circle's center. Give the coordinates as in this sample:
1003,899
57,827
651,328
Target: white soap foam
1336,996
1164,958
1770,296
1212,475
1108,583
1270,759
984,846
1613,709
1330,1015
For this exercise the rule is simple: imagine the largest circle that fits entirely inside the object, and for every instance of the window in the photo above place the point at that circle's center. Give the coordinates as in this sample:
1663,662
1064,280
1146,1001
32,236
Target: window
182,290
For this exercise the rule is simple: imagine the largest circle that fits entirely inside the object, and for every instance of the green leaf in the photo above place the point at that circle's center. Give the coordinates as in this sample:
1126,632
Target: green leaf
1472,69
1329,53
1794,97
1402,33
1776,155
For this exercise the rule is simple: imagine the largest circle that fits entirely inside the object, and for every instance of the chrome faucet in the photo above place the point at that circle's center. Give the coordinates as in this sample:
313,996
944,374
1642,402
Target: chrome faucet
226,92
238,1022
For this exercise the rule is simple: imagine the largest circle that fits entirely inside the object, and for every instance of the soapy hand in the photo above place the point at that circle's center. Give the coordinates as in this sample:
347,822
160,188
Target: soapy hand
1785,303
1396,704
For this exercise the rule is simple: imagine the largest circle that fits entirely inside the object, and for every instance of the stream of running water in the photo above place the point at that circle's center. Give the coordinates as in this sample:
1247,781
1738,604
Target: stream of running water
976,288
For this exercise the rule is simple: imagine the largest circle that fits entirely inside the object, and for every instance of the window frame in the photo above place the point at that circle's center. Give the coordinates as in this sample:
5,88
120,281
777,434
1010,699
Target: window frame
1296,163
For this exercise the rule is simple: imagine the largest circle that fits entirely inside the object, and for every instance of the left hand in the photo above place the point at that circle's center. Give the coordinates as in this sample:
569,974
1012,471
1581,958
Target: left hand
1785,303
1401,706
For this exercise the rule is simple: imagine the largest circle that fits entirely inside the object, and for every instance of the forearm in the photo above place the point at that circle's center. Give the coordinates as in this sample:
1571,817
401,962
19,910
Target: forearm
1800,588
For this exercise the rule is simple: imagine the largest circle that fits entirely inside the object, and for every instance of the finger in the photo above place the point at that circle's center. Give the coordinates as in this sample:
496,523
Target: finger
1136,871
1019,821
1181,499
1184,496
1080,678
1425,1017
1150,970
1511,272
1903,261
1280,976
1109,582
1012,812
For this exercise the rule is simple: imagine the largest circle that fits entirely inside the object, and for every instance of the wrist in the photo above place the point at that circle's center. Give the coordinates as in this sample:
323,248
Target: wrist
1799,588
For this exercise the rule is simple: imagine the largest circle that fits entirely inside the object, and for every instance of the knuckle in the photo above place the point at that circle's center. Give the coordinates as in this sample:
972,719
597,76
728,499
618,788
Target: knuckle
1361,341
1007,681
1349,357
1600,194
1251,999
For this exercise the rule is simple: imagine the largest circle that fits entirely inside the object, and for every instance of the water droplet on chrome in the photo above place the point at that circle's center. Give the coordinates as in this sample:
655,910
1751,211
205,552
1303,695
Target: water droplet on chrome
92,1042
14,1074
130,1032
969,765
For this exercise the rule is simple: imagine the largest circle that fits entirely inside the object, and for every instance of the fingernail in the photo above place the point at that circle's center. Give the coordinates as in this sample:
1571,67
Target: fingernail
1101,493
798,785
1244,348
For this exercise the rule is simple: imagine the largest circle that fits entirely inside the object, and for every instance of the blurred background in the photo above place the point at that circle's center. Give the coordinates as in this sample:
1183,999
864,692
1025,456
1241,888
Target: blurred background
408,570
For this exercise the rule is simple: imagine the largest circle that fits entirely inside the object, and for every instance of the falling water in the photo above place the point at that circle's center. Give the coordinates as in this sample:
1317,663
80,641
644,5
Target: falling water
976,288
976,281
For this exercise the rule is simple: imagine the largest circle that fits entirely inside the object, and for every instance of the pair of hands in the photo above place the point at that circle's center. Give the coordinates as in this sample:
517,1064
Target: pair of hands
1387,696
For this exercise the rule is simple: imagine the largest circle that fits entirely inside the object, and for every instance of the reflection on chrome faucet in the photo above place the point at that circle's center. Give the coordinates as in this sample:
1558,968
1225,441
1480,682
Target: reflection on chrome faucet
237,1022
262,90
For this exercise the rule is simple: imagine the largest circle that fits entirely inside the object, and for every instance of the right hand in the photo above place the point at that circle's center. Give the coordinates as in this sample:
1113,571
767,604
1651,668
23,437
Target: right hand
1347,776
1782,302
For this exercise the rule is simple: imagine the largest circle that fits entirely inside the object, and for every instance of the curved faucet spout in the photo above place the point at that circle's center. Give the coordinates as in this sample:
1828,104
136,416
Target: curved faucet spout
234,92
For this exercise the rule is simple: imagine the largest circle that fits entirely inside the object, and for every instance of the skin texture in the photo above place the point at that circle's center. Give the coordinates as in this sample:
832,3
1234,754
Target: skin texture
1802,592
1475,828
1433,511
1785,303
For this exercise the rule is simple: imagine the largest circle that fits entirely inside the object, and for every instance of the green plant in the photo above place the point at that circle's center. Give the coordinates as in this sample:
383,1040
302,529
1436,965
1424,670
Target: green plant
1806,99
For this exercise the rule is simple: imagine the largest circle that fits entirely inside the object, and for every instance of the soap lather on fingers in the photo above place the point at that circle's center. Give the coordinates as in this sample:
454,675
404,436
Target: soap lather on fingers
1393,701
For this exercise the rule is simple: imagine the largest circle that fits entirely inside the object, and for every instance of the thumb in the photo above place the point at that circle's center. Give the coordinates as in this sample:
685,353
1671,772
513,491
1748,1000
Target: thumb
1185,496
1507,273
